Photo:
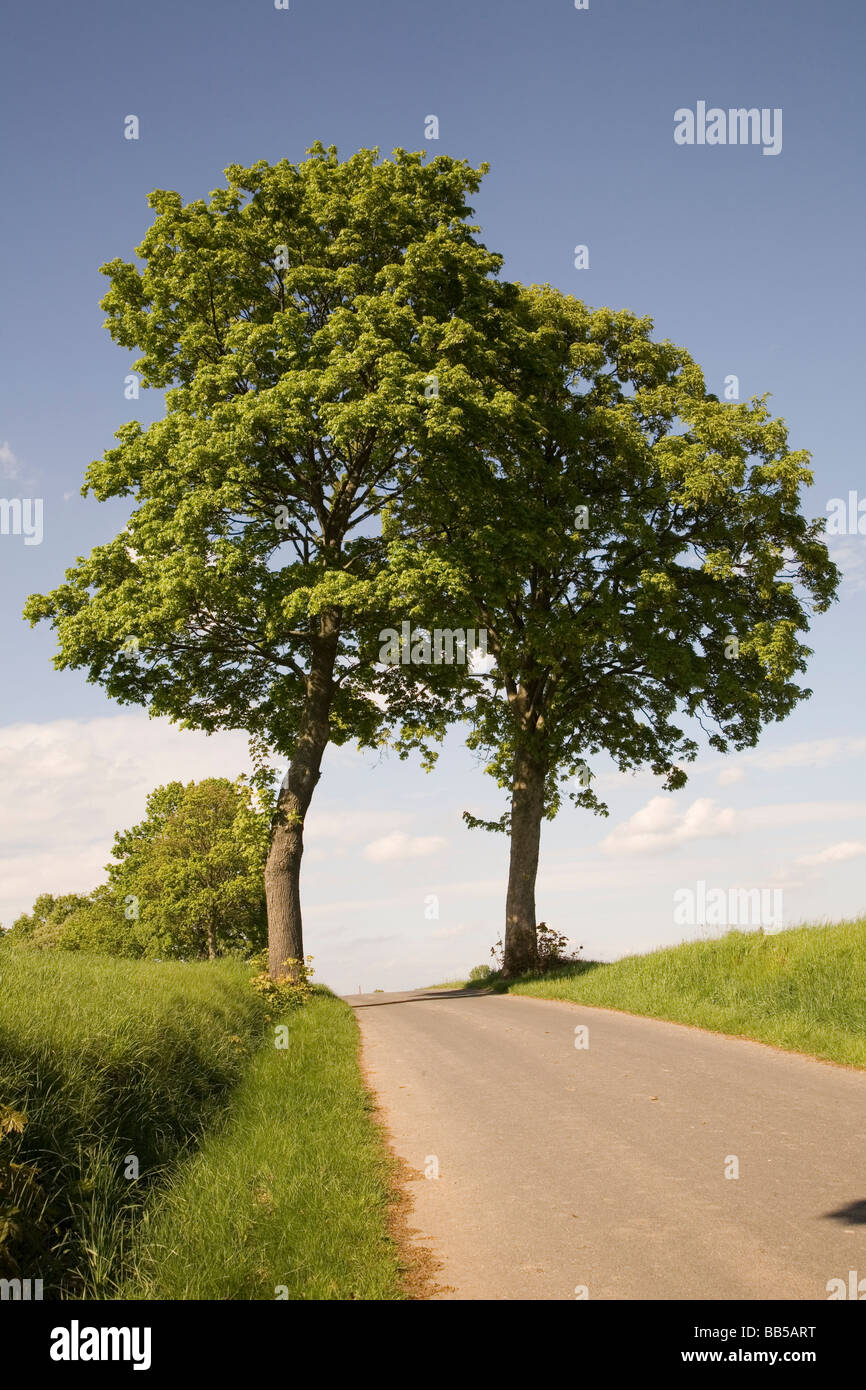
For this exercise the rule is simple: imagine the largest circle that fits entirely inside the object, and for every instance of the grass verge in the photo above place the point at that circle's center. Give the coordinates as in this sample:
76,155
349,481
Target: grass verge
108,1068
802,989
290,1197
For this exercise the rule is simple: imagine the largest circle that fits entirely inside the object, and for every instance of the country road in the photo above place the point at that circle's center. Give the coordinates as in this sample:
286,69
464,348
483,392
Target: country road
561,1168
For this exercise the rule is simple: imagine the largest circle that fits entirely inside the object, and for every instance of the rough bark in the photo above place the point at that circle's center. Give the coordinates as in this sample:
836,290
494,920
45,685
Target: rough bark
527,811
283,866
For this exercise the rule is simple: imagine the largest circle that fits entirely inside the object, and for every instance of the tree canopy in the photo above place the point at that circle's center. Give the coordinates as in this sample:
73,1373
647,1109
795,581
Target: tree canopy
191,874
634,549
43,927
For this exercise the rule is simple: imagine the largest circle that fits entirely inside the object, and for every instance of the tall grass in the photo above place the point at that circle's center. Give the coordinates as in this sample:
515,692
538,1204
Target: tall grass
803,989
289,1197
105,1061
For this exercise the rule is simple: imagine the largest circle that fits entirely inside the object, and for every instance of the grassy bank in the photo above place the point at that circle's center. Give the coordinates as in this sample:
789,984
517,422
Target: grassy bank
107,1067
290,1196
803,989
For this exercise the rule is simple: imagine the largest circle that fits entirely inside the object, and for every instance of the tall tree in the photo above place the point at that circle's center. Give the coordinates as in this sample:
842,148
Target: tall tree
304,318
634,549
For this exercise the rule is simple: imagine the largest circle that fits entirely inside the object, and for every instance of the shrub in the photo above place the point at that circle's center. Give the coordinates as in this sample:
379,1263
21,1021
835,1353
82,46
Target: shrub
552,947
290,990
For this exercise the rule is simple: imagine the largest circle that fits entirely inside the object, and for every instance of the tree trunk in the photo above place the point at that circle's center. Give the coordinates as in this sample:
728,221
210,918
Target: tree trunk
527,812
283,867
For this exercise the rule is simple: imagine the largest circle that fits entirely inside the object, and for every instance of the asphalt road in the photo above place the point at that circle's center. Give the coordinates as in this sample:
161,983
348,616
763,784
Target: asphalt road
604,1168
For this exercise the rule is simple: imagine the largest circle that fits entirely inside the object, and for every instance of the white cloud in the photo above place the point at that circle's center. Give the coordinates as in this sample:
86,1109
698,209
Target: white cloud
349,827
661,825
818,752
849,553
10,466
399,845
801,813
353,906
836,854
729,775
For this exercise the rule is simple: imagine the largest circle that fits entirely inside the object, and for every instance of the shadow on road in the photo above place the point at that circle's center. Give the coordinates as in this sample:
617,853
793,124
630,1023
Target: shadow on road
359,1001
852,1215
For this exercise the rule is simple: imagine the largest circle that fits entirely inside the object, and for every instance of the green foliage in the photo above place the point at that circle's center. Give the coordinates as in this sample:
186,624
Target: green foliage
610,627
101,925
192,871
479,973
296,319
553,948
291,989
101,1059
27,1218
75,923
45,926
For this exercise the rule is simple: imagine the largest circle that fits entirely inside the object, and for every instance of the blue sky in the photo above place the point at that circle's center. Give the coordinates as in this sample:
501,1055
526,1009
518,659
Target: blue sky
752,262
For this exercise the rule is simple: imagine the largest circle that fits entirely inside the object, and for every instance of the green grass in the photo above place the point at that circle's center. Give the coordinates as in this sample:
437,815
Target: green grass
105,1059
804,989
291,1193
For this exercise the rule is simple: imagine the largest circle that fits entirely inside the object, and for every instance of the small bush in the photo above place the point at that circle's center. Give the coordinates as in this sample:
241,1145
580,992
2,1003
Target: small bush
290,990
553,948
552,951
479,973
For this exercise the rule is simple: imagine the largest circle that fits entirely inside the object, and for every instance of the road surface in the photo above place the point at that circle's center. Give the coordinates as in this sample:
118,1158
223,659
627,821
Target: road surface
600,1171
